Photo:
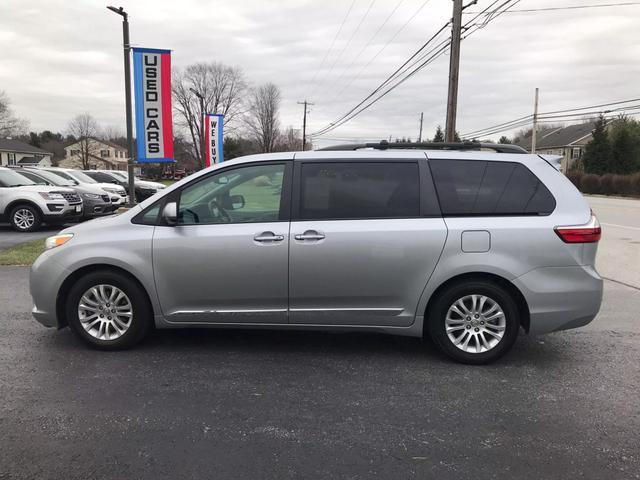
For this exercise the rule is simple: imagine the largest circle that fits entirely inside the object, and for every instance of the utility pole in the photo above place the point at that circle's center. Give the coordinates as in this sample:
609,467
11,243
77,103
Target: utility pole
127,99
304,123
454,69
203,157
421,119
534,133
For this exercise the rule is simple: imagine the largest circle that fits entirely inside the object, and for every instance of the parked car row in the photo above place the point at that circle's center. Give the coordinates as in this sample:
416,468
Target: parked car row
31,196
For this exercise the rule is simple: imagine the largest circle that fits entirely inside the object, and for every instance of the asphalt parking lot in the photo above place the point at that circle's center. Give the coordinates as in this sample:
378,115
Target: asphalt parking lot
258,404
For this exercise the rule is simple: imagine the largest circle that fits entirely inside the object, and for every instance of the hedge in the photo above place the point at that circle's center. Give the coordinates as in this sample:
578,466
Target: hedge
607,184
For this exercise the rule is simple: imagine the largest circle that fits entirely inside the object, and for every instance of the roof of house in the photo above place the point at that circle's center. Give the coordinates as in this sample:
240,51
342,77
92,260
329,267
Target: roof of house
11,145
561,137
104,142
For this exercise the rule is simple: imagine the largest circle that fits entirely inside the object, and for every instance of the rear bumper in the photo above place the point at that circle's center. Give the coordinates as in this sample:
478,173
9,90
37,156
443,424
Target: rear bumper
561,298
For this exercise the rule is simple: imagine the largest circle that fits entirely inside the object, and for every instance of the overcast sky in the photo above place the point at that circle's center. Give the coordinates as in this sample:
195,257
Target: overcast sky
62,57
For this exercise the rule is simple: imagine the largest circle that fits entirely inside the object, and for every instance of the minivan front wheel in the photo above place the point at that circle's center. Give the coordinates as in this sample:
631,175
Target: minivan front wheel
474,322
108,310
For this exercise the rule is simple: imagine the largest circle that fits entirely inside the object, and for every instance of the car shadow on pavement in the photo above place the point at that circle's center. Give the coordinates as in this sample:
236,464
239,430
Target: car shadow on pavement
327,345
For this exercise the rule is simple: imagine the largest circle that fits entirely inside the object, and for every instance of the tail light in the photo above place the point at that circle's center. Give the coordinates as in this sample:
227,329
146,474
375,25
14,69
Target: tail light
588,233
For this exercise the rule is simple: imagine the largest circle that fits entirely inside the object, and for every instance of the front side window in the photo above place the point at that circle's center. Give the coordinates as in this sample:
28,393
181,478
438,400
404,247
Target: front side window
472,187
359,190
242,195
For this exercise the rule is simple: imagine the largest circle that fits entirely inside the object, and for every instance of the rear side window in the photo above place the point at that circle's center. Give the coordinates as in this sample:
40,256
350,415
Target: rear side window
471,187
359,190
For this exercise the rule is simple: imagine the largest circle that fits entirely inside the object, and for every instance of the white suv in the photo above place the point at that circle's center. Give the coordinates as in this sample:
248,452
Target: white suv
26,204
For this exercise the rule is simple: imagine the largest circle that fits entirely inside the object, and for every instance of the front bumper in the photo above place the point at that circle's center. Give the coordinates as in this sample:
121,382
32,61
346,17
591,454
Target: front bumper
45,279
96,208
560,298
62,212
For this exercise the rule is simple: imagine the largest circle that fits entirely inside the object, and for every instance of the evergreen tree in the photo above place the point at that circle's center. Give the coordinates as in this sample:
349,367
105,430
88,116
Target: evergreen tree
439,137
597,154
623,152
504,139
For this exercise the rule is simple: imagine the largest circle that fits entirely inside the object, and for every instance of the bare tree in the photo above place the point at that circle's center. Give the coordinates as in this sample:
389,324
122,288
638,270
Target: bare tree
85,129
111,132
290,140
223,89
262,118
10,125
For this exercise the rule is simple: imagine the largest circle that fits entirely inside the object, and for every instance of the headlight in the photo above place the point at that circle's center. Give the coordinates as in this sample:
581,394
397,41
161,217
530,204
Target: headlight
91,196
161,186
51,196
57,240
111,189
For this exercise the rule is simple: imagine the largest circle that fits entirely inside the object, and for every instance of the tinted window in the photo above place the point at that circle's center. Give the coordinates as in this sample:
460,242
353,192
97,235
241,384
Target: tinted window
470,187
359,190
242,195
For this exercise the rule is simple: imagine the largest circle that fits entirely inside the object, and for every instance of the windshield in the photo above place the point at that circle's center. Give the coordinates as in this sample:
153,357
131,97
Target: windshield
117,174
70,180
55,179
9,178
81,177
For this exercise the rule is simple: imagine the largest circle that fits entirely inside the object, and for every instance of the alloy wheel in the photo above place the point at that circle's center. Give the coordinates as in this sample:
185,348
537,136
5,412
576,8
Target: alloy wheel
24,218
475,323
105,312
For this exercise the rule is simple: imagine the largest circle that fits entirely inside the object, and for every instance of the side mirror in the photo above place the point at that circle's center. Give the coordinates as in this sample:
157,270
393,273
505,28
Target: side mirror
234,202
170,213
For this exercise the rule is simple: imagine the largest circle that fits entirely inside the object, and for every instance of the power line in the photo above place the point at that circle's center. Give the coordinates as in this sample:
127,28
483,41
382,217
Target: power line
380,87
515,123
440,49
570,7
334,41
357,56
384,46
346,45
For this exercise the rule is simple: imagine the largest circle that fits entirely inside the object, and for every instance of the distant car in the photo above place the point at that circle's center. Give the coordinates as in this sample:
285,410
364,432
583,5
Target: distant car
143,189
27,204
117,193
95,201
465,247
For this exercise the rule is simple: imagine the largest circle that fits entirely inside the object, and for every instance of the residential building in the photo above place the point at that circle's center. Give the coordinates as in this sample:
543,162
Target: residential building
568,142
15,152
101,154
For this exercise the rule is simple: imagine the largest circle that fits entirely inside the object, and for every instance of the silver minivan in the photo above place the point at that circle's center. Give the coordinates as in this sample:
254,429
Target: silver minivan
466,244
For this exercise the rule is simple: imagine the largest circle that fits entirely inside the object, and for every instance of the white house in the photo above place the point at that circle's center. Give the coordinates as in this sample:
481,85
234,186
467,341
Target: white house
101,154
15,152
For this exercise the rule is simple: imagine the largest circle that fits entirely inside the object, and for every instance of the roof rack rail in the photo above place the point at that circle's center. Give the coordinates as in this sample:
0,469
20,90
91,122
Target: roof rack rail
385,145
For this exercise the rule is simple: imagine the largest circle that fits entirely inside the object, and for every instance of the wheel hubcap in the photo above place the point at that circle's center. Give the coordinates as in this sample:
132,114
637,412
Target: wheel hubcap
105,312
24,218
475,323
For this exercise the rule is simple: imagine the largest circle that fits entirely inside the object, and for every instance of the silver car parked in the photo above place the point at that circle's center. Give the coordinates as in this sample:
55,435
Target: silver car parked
464,245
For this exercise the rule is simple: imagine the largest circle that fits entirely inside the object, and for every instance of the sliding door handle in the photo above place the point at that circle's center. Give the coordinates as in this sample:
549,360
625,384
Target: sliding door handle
309,235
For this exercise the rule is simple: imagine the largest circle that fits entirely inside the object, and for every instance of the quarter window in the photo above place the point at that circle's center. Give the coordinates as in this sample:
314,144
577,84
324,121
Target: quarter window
471,187
359,190
243,195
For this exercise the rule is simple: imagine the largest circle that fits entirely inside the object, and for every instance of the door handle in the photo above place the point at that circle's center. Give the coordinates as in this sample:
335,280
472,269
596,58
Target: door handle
268,237
309,235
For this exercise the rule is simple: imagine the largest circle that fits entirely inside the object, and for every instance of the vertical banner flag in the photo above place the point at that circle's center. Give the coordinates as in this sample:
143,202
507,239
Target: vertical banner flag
213,124
152,84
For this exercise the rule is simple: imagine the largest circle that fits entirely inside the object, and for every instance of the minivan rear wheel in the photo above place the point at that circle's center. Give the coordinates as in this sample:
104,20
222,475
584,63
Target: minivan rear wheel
474,322
108,310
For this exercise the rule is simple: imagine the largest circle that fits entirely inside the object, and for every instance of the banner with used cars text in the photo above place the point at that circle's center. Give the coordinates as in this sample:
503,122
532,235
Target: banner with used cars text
152,85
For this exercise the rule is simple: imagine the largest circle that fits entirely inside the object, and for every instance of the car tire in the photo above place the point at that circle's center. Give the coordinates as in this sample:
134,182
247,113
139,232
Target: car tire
108,310
474,322
25,218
